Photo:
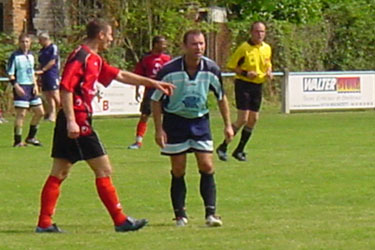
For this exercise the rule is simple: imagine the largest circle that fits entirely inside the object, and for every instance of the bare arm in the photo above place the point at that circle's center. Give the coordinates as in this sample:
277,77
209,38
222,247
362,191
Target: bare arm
225,113
67,105
160,136
36,87
134,79
269,73
46,67
137,95
16,86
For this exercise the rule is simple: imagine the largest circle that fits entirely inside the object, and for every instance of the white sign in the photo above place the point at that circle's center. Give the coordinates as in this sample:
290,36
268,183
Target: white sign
325,90
116,99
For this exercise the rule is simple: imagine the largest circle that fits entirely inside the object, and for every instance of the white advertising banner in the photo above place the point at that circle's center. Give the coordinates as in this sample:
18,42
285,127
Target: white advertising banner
116,99
330,90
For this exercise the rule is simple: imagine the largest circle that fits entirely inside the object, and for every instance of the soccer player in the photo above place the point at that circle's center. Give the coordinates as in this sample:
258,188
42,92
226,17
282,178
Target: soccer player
252,64
182,122
25,91
149,66
49,62
74,138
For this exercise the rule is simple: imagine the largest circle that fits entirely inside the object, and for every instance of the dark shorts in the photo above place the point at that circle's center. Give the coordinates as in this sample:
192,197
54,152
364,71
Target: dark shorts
186,135
49,83
28,100
83,148
146,101
248,95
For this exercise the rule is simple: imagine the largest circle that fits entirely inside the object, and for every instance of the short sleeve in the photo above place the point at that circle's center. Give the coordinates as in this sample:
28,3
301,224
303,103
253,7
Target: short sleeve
11,69
158,94
55,52
268,58
216,83
234,59
107,74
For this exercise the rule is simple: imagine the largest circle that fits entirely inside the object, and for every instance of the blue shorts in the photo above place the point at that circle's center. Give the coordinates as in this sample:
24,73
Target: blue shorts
186,135
49,83
28,100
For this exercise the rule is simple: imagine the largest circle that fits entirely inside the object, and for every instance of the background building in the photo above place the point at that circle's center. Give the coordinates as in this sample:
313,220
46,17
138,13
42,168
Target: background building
32,16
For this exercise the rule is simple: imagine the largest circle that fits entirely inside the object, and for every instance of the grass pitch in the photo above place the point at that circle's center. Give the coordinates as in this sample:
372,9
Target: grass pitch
309,184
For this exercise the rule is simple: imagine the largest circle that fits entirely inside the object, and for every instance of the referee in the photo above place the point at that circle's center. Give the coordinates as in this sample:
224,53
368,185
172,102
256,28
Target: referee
252,64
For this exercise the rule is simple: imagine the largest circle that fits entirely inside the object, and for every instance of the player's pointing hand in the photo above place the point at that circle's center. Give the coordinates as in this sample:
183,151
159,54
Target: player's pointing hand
166,88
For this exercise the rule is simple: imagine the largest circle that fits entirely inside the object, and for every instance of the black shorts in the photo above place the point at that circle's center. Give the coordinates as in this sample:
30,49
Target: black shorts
146,101
248,95
73,150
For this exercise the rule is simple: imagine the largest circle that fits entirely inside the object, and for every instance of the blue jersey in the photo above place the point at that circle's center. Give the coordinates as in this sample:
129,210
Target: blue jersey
189,99
47,54
21,66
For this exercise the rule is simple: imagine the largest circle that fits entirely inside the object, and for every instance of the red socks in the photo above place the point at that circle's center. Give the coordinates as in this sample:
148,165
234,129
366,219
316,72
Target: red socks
141,128
106,191
49,196
108,195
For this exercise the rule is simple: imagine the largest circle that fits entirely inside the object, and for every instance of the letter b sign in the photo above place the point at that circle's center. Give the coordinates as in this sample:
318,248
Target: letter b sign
105,105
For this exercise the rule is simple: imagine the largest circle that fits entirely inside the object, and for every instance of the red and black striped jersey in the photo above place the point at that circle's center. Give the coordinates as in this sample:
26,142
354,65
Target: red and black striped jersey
82,70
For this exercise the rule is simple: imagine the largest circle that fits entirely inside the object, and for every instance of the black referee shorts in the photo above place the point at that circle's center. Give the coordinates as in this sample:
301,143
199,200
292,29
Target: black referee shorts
73,150
146,101
248,95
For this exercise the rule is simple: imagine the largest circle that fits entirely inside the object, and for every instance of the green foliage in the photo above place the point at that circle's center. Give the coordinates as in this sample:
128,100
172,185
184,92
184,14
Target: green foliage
298,47
6,48
311,35
352,40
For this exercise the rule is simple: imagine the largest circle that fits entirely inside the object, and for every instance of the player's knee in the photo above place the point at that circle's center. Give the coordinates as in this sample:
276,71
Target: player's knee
103,172
240,122
64,175
20,115
252,120
40,113
207,168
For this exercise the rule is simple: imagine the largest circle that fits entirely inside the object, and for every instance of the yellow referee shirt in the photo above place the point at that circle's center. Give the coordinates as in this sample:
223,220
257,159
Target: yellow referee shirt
252,58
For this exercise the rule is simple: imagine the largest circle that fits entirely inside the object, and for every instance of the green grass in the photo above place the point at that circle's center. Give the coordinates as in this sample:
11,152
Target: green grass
309,184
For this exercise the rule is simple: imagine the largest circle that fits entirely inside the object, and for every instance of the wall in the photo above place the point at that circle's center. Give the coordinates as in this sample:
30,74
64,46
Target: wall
15,14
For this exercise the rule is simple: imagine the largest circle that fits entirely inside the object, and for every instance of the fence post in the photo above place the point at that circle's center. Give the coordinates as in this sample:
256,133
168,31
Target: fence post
285,93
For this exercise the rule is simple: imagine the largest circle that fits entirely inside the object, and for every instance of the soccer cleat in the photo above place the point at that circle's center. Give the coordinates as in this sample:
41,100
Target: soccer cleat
19,145
222,153
136,145
241,156
33,141
181,221
51,229
213,221
49,120
131,224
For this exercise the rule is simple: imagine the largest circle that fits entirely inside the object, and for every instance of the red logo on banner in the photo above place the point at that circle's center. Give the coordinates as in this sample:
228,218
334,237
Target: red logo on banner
348,84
